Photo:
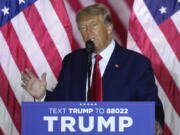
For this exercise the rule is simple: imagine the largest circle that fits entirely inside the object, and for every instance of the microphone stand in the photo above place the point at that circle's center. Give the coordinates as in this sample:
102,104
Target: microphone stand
89,74
90,49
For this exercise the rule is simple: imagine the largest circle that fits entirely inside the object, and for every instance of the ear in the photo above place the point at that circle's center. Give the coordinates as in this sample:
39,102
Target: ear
110,28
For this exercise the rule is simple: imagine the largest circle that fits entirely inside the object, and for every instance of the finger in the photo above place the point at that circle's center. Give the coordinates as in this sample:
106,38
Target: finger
43,77
24,86
24,77
29,73
25,82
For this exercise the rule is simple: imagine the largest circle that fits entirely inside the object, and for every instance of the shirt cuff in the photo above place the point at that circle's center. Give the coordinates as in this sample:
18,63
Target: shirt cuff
42,100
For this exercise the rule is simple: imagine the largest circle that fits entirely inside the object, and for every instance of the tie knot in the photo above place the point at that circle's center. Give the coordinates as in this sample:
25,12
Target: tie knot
98,57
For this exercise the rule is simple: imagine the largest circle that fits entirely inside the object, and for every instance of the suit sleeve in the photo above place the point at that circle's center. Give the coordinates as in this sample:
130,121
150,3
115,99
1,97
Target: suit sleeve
147,90
60,93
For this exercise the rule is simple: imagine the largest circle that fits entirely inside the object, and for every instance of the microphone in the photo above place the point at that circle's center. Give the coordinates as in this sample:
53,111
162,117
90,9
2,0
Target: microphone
90,46
90,49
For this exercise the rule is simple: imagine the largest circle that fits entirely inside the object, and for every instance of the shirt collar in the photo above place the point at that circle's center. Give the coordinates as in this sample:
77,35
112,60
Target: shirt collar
107,52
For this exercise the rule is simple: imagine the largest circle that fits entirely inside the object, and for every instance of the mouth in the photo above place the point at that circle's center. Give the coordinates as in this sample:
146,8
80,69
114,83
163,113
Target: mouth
92,39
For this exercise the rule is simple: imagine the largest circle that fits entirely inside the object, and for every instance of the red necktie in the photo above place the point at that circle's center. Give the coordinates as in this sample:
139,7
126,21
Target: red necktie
96,87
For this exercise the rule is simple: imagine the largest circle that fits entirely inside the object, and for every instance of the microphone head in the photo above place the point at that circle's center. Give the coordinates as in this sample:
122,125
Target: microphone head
90,46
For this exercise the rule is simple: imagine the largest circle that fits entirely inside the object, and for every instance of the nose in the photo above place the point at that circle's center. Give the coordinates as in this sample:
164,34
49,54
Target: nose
89,30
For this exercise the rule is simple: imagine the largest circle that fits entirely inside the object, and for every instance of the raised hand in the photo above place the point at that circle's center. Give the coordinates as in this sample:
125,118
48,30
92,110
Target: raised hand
34,86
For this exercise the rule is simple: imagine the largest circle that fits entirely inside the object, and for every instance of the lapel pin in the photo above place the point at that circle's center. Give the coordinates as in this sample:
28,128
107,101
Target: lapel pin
116,66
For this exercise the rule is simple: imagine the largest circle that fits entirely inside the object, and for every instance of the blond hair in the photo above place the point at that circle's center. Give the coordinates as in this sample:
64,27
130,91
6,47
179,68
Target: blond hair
95,10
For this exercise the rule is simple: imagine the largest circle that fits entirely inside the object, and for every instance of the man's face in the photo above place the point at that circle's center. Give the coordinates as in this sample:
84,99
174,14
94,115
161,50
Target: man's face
93,27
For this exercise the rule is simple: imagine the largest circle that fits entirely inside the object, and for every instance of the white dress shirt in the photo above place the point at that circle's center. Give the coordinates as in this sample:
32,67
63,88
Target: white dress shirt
105,54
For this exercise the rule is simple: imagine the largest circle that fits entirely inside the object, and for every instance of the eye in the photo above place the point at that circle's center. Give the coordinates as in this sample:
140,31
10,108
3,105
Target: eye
82,28
94,24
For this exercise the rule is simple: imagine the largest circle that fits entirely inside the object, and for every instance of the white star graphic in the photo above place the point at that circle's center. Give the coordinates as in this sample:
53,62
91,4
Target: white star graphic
179,1
163,10
21,1
5,10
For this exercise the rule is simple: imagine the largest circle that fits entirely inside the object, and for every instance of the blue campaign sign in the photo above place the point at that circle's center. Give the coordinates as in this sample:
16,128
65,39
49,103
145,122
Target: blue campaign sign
90,118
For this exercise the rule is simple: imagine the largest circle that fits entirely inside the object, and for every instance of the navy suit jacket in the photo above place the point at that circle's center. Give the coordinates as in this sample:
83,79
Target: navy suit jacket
133,80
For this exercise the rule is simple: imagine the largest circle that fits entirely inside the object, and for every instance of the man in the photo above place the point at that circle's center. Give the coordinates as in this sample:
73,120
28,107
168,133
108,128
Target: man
126,75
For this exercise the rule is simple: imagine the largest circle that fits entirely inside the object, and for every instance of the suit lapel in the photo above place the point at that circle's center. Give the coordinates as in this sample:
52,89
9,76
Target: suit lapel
114,66
84,74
